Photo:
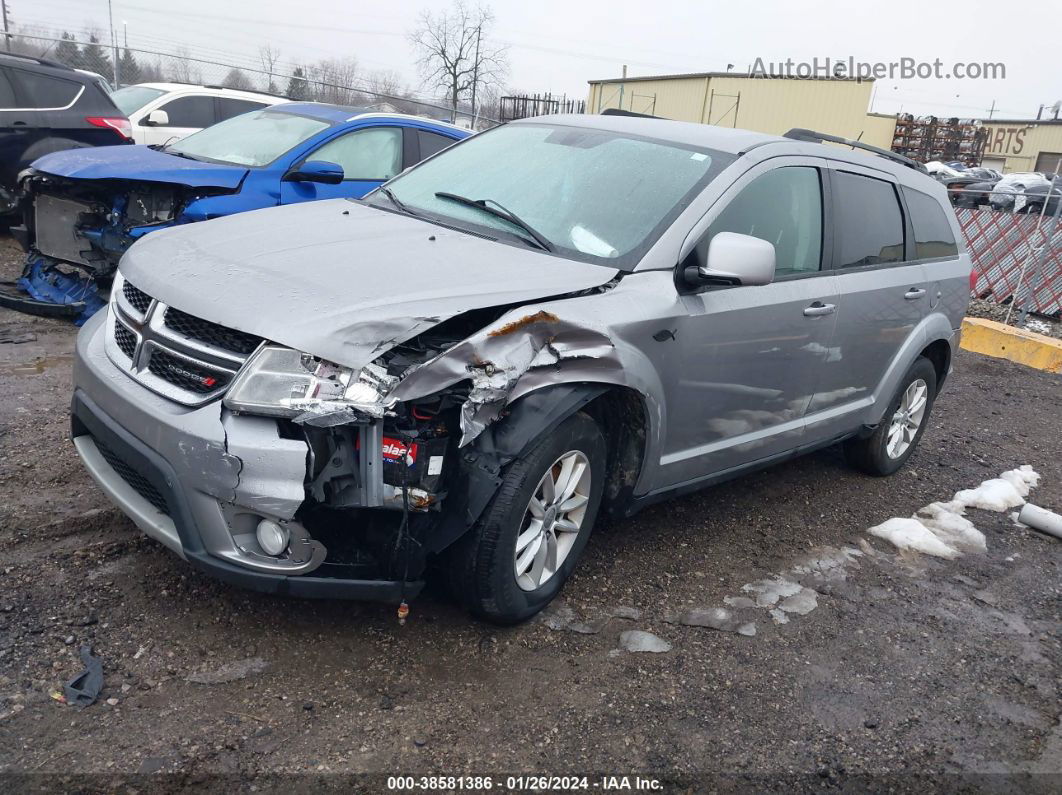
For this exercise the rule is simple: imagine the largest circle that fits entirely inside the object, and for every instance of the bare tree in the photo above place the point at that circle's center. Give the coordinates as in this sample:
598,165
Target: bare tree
454,53
334,79
269,55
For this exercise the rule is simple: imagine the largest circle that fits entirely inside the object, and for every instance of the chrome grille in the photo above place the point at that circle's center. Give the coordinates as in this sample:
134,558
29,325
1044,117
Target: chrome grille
138,298
125,338
210,333
187,375
179,356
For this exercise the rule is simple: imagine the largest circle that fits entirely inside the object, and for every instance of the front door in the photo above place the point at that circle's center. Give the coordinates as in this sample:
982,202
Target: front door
751,356
187,114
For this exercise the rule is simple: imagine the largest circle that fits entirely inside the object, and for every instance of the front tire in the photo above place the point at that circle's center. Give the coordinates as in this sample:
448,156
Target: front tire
517,557
895,438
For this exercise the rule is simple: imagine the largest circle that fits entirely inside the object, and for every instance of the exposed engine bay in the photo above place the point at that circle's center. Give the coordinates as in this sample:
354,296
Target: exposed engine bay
76,231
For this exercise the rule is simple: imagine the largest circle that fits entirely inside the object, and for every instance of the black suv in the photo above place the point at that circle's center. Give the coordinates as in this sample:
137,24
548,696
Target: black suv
47,107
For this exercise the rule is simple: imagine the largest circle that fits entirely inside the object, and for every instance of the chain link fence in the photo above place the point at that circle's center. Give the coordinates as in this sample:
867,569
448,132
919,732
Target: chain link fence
336,81
1017,254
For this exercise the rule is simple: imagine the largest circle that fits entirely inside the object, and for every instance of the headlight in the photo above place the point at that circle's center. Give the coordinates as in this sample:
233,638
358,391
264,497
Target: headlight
282,382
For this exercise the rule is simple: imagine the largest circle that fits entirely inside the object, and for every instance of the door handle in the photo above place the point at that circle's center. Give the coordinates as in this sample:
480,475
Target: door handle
913,293
818,308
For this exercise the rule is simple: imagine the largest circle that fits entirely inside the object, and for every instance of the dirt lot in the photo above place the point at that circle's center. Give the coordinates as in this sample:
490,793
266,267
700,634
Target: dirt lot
911,672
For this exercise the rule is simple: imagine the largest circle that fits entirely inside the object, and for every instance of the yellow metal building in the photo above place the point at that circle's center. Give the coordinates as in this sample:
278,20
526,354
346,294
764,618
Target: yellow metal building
766,104
1023,145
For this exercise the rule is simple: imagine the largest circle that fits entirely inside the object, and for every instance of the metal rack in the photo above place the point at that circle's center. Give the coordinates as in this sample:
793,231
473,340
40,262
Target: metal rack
926,138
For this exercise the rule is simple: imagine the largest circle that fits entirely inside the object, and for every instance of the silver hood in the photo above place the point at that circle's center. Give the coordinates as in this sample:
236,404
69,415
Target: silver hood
341,280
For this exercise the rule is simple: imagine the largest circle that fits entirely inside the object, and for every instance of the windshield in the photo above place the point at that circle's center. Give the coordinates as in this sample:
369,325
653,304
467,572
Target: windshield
593,195
253,139
132,98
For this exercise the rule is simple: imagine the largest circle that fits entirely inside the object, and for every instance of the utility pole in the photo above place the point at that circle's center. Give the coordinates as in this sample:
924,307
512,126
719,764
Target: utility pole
114,48
475,75
622,85
7,36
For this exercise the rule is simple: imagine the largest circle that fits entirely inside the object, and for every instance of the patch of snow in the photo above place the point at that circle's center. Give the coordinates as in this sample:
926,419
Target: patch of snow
946,522
1024,479
1000,494
768,592
800,603
779,616
828,563
635,640
912,534
713,617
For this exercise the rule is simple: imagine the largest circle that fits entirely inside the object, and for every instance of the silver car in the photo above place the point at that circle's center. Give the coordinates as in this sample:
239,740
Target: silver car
558,318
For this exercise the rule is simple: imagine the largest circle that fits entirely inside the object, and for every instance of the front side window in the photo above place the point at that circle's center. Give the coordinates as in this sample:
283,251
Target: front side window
190,112
371,154
783,207
869,220
932,232
251,139
594,195
45,91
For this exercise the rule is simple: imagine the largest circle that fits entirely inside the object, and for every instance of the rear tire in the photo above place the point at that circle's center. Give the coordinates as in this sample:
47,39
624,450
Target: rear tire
897,436
523,531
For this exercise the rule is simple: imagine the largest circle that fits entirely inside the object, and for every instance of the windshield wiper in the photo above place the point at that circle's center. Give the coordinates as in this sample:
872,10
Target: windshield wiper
397,202
500,212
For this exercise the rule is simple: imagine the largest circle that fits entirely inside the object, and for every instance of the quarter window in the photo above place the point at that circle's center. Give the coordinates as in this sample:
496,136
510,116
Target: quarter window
932,232
370,154
869,220
783,207
7,91
44,91
190,112
430,143
229,107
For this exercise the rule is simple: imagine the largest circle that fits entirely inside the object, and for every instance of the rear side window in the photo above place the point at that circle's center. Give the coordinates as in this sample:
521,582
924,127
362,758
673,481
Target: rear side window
932,232
430,143
869,220
7,91
783,207
45,91
190,112
229,107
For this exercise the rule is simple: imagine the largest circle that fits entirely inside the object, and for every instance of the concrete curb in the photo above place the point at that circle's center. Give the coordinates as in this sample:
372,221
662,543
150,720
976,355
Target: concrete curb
1017,345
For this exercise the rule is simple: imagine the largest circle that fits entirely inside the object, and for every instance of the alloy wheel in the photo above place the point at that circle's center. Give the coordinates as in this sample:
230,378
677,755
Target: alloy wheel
552,520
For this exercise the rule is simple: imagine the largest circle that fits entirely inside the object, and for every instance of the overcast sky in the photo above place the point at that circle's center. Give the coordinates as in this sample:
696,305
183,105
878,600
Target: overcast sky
557,45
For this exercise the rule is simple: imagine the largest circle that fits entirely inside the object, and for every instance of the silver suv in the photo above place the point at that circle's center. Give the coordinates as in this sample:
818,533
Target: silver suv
555,319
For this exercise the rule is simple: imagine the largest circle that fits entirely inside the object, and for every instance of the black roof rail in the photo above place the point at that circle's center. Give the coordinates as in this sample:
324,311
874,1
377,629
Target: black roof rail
35,59
800,134
621,112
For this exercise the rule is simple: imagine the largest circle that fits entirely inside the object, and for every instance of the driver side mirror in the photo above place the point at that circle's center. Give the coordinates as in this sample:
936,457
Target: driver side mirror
157,118
734,259
316,171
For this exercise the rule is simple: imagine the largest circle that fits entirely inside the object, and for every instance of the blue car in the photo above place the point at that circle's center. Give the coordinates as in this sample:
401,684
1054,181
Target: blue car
84,208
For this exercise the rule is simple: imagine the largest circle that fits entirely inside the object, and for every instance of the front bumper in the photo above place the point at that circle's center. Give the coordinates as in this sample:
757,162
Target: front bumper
197,480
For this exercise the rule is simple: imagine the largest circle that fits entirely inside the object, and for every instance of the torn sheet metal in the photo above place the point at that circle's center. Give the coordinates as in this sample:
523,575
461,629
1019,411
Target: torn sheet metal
496,358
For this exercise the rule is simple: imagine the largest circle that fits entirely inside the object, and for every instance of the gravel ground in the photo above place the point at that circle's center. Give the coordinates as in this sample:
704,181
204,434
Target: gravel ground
909,673
1041,324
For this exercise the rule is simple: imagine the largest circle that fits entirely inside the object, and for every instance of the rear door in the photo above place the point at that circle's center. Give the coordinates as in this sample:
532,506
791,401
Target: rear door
937,250
187,114
19,127
883,295
751,357
369,156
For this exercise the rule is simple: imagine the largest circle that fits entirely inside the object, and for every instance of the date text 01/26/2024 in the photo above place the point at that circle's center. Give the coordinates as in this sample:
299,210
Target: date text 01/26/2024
536,783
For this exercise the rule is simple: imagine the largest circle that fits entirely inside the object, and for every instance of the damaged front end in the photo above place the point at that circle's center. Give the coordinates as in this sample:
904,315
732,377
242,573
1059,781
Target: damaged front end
75,232
412,432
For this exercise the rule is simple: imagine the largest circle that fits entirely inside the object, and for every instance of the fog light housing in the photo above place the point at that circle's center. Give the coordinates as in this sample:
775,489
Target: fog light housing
272,537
